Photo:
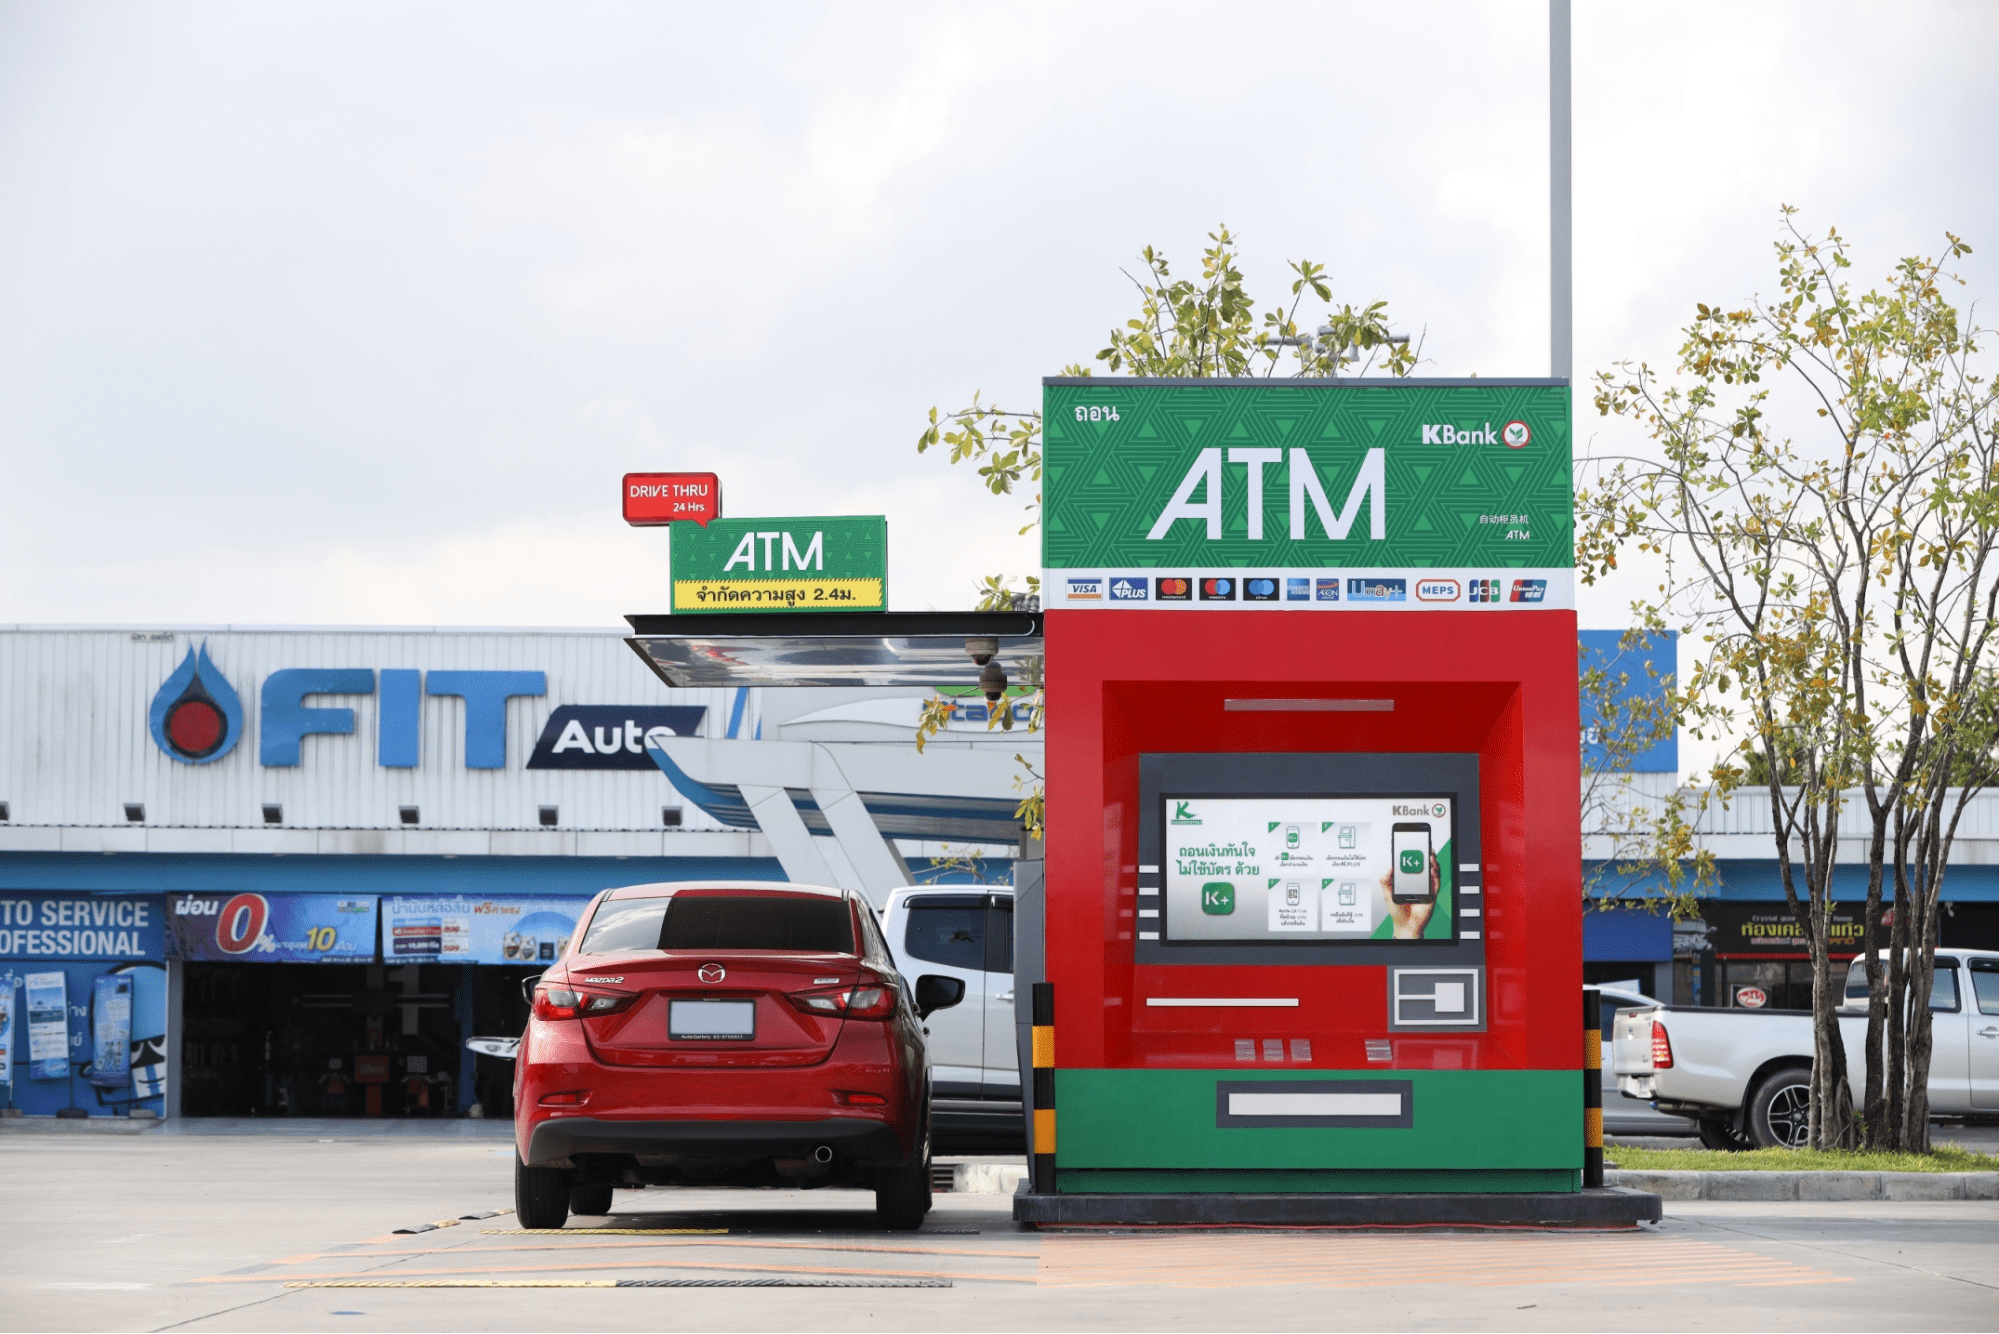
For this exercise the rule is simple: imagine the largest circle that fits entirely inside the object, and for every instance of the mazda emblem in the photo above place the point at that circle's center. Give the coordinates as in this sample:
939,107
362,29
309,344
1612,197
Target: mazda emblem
712,973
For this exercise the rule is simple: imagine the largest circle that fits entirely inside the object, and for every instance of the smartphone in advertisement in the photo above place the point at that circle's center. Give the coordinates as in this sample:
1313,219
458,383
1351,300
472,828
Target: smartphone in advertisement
1411,850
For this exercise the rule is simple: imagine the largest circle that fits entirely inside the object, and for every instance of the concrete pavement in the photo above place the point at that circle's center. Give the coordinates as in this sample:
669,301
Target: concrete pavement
198,1231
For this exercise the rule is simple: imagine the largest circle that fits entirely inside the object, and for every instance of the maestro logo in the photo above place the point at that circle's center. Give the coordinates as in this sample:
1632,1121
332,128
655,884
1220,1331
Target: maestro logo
196,717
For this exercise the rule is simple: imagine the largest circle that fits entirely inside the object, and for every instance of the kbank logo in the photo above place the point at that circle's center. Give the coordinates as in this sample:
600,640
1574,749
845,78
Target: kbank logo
1183,813
1460,435
1411,862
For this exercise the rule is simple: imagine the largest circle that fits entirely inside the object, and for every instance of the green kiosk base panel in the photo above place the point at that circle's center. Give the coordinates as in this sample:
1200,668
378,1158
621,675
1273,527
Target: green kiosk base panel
1614,1207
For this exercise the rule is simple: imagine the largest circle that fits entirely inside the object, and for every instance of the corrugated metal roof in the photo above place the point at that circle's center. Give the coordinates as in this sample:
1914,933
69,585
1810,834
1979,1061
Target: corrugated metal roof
75,746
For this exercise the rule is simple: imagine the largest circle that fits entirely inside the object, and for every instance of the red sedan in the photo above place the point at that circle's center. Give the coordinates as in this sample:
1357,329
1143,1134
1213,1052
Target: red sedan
731,1033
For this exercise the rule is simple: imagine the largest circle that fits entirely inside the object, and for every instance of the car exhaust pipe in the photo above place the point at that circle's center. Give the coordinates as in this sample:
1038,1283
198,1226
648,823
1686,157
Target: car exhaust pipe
823,1154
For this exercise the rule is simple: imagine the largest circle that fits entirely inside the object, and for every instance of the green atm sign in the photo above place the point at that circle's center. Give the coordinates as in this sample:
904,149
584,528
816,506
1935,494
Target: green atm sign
1199,491
837,563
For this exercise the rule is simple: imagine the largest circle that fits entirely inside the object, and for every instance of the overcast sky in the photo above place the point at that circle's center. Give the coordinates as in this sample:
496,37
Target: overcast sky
355,313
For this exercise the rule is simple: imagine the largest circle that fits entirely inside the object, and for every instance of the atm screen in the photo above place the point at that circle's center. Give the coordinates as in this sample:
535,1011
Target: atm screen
1293,870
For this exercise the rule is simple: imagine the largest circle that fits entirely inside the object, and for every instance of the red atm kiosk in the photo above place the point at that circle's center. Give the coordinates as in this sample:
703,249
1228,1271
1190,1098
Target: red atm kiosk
1309,938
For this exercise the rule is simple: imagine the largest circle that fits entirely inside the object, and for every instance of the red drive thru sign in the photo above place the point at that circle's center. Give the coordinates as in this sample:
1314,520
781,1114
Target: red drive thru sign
653,498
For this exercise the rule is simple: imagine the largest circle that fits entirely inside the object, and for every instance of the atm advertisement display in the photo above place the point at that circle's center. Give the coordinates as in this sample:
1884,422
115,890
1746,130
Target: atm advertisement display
1291,870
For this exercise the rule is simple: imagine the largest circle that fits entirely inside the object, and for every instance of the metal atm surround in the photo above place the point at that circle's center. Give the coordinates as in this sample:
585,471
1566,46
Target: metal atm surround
1316,774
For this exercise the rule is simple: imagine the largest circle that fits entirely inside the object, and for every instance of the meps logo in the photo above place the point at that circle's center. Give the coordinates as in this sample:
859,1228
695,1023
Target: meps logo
1461,435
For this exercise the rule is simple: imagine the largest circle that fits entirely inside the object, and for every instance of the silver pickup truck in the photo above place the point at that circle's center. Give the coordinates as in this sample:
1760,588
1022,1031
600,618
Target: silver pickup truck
1744,1075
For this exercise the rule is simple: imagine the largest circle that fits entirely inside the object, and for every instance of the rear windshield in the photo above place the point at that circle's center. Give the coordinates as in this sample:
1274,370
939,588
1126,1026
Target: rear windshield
723,922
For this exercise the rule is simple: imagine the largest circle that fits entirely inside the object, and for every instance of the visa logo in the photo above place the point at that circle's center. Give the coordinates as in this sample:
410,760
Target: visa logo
1086,590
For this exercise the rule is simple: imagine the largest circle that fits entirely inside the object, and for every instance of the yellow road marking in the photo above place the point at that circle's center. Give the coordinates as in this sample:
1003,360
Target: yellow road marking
627,1264
732,1243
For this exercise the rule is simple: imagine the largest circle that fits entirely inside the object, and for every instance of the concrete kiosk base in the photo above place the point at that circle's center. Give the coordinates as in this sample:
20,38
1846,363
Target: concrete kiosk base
1611,1207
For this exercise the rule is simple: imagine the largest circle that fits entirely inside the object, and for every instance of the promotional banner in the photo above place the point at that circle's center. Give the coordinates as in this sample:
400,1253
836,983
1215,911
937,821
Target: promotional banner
48,1024
477,930
1213,496
271,928
7,1035
111,1031
80,926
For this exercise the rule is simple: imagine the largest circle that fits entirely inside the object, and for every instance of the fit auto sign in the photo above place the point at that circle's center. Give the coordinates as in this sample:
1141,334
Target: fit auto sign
653,498
777,565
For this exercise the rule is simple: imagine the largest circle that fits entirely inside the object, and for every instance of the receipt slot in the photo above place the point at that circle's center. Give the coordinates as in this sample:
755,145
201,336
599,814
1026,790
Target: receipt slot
1310,912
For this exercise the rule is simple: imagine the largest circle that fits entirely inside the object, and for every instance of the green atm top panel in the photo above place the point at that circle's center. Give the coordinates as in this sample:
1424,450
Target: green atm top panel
1296,475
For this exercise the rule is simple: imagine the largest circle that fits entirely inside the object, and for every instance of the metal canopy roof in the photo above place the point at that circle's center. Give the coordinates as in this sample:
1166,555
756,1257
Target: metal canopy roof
835,648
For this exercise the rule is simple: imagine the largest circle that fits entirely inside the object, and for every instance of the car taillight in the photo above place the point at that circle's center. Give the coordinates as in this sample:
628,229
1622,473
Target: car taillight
1662,1047
560,1002
852,1099
870,998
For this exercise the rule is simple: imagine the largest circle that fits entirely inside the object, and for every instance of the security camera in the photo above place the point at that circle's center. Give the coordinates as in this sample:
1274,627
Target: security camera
992,680
982,650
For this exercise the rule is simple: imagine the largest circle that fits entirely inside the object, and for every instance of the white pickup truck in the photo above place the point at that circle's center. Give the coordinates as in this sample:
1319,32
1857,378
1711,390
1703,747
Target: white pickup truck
1744,1075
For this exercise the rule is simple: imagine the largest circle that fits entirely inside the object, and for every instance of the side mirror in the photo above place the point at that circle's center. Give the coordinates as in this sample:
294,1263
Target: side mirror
527,987
935,992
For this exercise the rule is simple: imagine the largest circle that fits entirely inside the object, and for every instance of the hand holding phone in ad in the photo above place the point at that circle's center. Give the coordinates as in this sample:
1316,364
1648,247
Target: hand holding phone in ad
1410,915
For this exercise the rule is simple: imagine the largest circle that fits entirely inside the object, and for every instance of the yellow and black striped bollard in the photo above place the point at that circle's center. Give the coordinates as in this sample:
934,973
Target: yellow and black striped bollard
1044,1089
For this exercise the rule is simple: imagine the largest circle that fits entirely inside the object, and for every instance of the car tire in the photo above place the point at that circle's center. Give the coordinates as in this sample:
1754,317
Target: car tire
541,1195
590,1201
1780,1110
1717,1133
902,1194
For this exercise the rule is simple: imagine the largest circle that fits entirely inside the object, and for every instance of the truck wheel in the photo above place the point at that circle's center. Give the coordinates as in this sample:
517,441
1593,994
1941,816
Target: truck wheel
590,1201
1780,1110
541,1195
902,1194
1716,1133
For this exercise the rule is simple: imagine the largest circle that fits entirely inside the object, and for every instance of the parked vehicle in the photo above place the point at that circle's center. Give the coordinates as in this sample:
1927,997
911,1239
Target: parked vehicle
741,1033
1744,1074
966,933
1622,1115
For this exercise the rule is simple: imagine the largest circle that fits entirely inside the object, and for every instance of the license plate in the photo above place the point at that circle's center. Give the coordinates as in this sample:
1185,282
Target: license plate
711,1020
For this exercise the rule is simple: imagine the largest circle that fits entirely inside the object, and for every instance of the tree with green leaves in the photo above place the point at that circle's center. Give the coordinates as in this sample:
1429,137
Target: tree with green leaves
1822,498
1184,329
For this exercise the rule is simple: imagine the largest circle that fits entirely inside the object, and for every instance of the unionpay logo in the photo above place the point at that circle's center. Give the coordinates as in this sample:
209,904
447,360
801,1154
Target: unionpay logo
1126,588
1086,590
1530,590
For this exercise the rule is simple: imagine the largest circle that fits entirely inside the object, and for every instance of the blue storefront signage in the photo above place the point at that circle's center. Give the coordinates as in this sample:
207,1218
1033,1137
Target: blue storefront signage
271,928
467,929
80,926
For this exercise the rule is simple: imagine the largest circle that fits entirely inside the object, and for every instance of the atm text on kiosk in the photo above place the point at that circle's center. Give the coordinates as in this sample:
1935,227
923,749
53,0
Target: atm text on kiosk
1311,916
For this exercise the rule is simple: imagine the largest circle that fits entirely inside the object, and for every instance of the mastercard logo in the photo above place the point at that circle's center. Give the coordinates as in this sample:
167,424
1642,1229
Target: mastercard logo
1175,590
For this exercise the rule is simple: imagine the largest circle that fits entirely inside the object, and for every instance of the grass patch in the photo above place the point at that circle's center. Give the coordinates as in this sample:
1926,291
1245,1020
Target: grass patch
1945,1158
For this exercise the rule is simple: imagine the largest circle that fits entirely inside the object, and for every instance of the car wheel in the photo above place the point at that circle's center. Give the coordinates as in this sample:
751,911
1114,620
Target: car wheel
902,1194
541,1195
1780,1111
1716,1133
590,1201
